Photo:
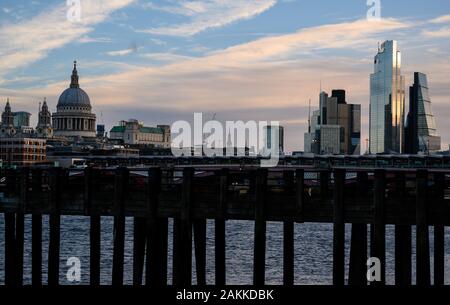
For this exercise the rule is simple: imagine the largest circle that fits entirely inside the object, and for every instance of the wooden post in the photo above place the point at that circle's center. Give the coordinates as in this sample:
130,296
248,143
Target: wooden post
121,182
95,228
288,253
403,245
219,231
10,246
200,250
288,233
95,246
378,242
55,226
182,235
36,234
338,228
439,232
324,181
422,241
259,254
300,193
358,246
138,249
20,223
156,265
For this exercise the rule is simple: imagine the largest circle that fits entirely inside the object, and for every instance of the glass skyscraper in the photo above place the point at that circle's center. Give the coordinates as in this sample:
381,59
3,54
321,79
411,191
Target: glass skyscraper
387,101
421,133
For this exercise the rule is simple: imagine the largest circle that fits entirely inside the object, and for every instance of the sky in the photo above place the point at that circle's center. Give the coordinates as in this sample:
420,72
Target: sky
161,61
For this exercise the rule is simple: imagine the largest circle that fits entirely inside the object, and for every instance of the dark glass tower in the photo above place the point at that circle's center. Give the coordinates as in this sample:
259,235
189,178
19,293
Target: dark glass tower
420,132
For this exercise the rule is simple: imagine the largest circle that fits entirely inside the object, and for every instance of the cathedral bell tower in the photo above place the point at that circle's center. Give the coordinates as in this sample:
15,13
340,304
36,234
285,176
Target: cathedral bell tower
44,127
7,127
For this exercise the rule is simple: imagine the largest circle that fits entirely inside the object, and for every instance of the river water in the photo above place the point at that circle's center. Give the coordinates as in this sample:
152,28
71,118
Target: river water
313,251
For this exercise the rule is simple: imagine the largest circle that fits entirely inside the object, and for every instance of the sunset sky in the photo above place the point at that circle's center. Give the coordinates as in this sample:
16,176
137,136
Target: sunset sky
160,61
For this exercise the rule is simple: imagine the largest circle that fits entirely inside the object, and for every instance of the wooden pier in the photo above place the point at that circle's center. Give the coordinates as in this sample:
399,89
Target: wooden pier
190,195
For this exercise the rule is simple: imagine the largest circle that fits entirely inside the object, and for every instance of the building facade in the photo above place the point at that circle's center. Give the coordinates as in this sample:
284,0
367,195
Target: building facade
336,127
21,119
312,137
274,135
22,151
74,117
133,132
421,133
387,101
330,139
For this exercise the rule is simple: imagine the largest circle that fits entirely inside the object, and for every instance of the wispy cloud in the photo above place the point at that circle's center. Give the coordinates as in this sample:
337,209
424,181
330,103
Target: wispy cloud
206,14
441,19
166,57
88,39
440,33
32,40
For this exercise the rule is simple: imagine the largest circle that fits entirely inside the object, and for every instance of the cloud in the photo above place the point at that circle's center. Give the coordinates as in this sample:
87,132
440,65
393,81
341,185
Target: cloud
440,33
32,40
121,52
166,57
441,19
268,78
88,39
206,14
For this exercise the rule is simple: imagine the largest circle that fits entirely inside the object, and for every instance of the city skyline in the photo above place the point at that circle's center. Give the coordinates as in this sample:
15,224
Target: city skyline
252,74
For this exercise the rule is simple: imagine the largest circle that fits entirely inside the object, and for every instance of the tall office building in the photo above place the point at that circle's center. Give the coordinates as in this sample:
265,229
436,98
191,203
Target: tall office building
311,138
275,133
387,101
420,132
336,127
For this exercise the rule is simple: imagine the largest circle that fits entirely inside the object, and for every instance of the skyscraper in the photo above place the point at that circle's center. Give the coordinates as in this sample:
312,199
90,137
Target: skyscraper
336,127
387,101
420,132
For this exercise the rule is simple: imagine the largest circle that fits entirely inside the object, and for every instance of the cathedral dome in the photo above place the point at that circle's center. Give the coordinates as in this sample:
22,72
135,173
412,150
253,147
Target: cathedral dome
73,117
74,96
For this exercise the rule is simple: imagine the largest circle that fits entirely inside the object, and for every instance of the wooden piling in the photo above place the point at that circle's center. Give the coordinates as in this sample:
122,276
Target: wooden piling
36,233
156,262
10,249
94,228
219,229
288,232
55,228
378,240
259,248
200,250
138,249
300,193
182,234
403,244
338,228
422,238
358,243
20,223
121,182
324,180
439,232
